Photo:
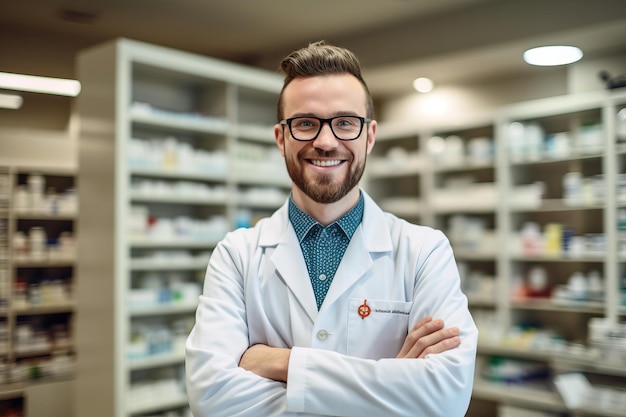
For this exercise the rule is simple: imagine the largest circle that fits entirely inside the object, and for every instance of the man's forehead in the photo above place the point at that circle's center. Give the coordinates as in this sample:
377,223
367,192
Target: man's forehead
342,86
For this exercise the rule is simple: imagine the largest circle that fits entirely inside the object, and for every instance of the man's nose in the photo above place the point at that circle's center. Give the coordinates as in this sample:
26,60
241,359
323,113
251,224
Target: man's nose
326,138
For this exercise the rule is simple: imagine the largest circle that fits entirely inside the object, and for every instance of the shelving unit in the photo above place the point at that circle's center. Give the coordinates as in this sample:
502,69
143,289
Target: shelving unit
38,209
543,266
176,149
394,174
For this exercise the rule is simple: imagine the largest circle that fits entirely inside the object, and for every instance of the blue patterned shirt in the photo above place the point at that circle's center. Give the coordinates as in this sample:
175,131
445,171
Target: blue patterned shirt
323,247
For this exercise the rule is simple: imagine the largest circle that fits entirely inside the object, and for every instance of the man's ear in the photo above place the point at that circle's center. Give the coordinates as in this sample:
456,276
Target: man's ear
279,136
371,135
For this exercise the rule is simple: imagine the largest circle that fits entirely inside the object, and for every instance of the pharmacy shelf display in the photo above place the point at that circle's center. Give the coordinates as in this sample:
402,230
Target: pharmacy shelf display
534,203
394,173
38,210
176,150
462,196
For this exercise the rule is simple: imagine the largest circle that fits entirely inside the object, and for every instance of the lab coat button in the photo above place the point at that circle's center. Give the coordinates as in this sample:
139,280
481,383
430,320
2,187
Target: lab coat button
322,335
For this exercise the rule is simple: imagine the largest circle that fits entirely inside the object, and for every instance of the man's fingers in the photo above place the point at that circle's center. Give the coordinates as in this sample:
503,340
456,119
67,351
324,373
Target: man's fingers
441,346
421,323
427,339
430,326
422,328
416,332
432,343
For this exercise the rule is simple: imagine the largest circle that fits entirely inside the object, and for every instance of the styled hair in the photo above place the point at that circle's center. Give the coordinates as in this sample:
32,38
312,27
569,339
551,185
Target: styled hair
321,58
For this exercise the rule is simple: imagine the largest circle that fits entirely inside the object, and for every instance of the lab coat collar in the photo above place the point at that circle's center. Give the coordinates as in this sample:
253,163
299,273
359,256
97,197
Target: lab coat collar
376,233
372,236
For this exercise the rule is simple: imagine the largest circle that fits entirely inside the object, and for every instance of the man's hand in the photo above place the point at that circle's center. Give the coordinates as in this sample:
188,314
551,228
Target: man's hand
265,361
428,336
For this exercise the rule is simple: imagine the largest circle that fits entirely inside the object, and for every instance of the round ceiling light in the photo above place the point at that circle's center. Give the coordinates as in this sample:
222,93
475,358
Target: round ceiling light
552,55
423,85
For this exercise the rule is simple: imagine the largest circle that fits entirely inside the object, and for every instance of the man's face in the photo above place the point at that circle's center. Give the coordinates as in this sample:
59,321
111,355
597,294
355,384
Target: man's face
325,169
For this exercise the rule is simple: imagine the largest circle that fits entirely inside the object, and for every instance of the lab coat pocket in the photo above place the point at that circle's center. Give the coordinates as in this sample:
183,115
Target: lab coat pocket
377,328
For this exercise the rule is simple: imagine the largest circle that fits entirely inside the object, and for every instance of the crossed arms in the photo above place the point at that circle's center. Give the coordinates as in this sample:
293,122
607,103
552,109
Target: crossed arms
428,336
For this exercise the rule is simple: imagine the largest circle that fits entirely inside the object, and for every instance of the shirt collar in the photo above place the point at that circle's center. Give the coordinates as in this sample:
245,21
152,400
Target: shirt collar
302,222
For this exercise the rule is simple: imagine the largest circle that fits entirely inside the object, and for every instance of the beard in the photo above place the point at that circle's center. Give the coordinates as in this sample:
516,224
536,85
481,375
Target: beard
322,188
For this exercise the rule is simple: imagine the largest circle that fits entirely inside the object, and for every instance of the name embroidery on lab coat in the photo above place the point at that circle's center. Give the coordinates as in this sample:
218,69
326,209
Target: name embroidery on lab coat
364,310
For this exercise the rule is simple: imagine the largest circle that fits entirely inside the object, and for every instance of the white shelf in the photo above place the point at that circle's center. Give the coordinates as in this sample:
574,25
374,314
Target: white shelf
43,263
543,161
44,309
154,102
179,174
183,122
252,179
525,188
384,169
475,255
262,134
43,215
165,264
600,412
165,309
537,397
158,403
402,206
559,305
182,200
467,166
559,259
555,205
172,243
156,361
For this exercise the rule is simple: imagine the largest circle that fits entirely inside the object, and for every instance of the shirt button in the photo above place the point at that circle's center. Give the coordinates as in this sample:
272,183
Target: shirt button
322,277
322,335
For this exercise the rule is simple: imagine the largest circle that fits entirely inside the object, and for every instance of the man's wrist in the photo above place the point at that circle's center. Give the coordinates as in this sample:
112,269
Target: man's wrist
282,364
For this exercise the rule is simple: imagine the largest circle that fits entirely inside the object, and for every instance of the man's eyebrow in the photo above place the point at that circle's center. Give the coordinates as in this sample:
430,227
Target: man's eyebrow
336,114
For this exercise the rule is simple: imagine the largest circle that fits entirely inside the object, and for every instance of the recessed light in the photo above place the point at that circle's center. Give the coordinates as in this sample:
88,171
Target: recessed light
552,55
423,85
36,84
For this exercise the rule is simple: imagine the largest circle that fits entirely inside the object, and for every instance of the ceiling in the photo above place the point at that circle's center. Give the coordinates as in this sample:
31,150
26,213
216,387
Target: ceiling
451,41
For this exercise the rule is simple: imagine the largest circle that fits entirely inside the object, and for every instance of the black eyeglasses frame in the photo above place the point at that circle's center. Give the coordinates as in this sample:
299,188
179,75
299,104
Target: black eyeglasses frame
329,120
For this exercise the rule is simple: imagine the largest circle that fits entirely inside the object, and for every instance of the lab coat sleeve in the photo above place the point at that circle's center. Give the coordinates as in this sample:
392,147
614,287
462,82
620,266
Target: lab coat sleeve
440,385
216,385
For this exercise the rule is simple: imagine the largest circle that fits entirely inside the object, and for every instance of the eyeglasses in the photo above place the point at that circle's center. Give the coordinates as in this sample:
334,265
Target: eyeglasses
308,128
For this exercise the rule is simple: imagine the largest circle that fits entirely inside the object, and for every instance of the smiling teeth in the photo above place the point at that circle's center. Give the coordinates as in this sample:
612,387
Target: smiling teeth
325,163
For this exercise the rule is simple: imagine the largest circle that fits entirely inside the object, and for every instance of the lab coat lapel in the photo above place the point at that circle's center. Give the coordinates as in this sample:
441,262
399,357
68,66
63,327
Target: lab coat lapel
289,261
292,268
372,236
354,265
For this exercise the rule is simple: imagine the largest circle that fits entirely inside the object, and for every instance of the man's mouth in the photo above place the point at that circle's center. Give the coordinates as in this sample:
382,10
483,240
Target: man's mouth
325,162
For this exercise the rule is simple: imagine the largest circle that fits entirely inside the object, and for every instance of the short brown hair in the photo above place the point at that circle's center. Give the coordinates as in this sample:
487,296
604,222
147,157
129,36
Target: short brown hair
321,58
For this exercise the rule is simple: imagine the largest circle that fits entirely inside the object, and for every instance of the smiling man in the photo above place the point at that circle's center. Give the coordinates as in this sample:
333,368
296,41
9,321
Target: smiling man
330,307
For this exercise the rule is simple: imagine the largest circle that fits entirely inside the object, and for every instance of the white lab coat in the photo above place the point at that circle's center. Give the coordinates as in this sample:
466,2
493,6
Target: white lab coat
257,290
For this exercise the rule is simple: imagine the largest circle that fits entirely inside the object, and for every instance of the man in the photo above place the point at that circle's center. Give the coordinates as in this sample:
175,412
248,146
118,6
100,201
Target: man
330,307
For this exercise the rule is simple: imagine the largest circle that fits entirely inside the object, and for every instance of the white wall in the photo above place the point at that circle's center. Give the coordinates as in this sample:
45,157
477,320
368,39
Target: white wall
459,104
584,76
38,134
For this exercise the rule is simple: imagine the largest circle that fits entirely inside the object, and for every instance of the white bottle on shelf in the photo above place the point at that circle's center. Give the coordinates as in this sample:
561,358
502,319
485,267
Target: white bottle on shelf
36,186
38,243
573,188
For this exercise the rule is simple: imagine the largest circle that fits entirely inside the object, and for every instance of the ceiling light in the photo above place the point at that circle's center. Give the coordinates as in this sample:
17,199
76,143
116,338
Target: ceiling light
10,101
552,55
423,85
35,84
